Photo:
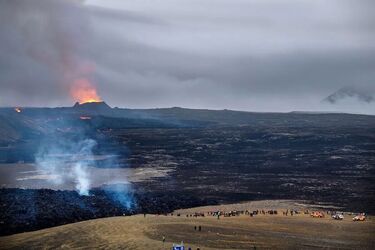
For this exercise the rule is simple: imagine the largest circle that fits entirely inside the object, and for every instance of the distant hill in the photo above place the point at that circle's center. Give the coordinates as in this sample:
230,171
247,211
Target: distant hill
35,122
15,126
99,107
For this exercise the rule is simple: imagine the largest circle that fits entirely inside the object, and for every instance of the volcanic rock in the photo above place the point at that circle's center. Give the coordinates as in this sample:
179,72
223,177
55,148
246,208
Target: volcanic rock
93,107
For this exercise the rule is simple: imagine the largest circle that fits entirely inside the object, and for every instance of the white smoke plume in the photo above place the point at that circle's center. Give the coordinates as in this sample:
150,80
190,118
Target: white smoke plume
82,179
67,161
80,167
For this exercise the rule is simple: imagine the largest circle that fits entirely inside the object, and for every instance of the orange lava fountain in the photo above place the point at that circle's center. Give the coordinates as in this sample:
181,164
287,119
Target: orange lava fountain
83,91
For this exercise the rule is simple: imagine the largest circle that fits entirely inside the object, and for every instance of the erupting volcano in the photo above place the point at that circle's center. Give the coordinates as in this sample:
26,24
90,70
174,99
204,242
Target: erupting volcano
84,92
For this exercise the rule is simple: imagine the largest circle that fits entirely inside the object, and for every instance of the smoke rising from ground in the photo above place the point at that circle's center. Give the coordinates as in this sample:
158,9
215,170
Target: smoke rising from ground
70,161
80,167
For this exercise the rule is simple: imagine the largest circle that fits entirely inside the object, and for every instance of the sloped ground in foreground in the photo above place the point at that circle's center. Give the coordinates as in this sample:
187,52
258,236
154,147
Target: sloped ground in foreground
242,232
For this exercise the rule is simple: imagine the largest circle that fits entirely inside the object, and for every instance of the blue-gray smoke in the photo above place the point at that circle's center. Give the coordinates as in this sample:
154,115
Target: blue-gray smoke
67,160
121,193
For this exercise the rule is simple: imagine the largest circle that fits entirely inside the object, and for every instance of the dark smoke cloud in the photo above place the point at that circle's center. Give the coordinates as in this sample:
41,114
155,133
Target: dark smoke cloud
250,55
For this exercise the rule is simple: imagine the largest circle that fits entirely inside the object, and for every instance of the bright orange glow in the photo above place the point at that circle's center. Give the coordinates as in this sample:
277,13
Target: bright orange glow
18,110
85,117
83,91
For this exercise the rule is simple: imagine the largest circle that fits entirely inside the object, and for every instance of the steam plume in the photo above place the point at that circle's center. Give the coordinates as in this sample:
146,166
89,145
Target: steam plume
67,161
81,166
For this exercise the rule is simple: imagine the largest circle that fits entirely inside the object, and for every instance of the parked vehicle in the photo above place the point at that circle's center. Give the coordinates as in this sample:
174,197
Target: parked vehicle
338,216
360,217
317,214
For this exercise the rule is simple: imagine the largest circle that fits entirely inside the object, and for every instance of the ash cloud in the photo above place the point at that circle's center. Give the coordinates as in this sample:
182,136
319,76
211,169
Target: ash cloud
245,55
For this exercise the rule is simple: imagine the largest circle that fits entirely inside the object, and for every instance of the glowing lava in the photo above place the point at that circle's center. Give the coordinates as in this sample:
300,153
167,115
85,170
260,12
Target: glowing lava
18,110
83,91
85,117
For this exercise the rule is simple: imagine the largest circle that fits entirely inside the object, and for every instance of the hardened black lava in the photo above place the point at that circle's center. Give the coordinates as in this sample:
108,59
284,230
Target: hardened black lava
32,209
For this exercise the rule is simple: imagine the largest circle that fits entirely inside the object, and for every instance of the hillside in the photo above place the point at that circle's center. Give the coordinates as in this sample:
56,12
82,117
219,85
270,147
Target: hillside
239,232
42,121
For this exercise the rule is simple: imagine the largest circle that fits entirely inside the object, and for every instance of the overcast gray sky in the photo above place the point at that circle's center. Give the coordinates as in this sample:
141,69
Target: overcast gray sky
256,55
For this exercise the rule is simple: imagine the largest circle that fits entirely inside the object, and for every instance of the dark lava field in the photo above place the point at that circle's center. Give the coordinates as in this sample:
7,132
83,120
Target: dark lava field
211,157
244,163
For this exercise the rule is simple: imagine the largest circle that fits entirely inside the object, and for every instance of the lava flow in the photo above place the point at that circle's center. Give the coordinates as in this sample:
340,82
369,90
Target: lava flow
83,91
85,117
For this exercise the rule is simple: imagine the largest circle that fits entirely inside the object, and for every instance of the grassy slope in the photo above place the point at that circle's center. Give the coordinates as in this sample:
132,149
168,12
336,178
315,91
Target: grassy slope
263,231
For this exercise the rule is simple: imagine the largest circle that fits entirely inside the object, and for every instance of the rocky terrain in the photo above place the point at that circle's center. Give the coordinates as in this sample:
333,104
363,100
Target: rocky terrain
207,157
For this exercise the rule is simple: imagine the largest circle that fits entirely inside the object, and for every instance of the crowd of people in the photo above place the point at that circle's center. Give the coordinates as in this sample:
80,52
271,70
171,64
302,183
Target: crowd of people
288,212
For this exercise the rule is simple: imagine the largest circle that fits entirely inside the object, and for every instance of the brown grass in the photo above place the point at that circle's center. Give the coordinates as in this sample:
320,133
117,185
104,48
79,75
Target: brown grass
243,232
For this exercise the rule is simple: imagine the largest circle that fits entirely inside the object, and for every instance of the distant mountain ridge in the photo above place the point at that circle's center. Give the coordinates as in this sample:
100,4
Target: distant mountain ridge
31,122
